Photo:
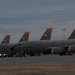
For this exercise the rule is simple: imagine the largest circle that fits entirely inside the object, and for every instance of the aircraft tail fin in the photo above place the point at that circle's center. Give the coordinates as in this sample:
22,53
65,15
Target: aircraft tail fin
47,34
24,37
6,39
72,36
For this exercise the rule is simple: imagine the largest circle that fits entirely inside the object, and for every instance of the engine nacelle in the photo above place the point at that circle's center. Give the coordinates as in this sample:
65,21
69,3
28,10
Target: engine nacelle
47,51
72,48
57,50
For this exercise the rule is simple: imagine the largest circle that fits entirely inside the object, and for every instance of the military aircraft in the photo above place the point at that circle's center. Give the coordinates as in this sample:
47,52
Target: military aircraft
5,46
61,47
46,36
5,41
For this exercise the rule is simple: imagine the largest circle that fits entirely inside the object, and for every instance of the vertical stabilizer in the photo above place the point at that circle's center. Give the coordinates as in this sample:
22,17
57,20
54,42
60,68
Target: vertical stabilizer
47,34
25,37
6,39
72,36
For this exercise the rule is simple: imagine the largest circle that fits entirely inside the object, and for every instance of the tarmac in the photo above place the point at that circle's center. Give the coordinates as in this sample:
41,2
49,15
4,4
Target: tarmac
37,59
39,65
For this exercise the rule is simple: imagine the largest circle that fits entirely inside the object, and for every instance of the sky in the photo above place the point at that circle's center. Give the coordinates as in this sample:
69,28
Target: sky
19,16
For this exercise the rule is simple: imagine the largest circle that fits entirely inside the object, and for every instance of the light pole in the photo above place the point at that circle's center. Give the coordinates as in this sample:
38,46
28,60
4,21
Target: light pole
63,33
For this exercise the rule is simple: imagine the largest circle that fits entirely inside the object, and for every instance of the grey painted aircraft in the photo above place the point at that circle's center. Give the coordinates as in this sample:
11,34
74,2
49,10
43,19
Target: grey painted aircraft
5,41
46,36
6,48
62,47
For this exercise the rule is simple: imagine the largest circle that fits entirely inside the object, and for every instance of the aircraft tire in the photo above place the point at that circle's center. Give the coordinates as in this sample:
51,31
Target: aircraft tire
61,54
70,53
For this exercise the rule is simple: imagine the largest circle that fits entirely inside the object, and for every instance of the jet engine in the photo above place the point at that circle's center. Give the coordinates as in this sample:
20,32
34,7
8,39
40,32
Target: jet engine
57,50
68,50
72,48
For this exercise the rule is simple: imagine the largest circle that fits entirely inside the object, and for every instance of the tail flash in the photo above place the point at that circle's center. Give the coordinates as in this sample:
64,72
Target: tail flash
72,36
47,34
25,37
6,39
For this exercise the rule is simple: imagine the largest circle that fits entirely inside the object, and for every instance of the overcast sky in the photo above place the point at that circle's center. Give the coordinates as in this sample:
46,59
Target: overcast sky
18,16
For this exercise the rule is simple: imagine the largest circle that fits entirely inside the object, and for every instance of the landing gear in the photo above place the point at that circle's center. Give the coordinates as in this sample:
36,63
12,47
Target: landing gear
61,54
20,54
35,54
66,53
70,53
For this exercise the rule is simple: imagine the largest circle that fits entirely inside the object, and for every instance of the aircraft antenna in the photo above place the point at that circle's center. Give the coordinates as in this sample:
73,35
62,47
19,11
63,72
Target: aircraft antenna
63,33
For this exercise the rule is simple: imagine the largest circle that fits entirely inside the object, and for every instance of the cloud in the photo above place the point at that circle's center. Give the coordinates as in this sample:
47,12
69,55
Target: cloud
18,16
